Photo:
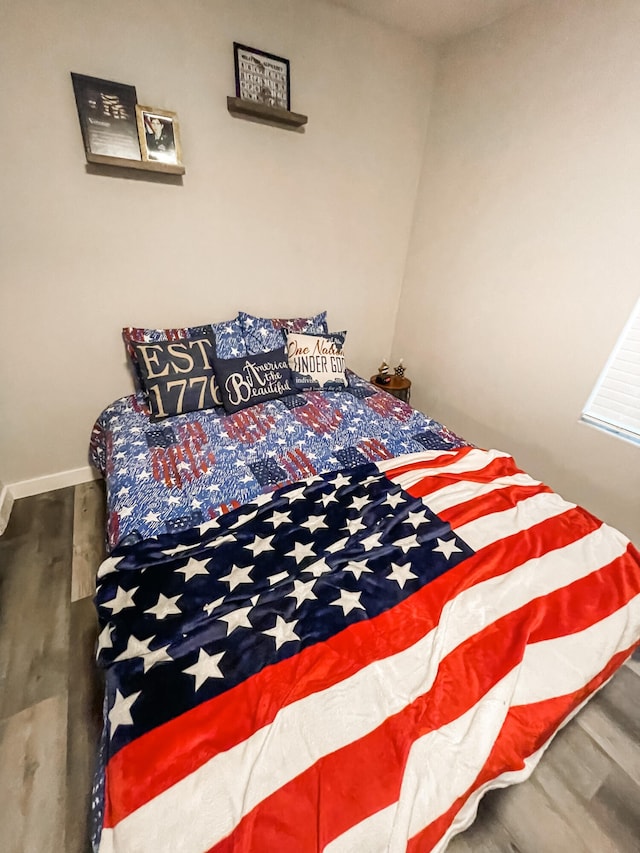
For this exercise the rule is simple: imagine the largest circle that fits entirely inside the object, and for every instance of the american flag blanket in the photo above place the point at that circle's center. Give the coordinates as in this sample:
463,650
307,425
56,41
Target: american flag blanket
348,663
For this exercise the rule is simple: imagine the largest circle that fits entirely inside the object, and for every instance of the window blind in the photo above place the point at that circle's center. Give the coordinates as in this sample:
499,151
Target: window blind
614,404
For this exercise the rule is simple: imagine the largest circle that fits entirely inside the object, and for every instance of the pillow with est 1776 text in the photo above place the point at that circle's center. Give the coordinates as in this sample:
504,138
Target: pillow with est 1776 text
317,361
177,376
228,334
243,382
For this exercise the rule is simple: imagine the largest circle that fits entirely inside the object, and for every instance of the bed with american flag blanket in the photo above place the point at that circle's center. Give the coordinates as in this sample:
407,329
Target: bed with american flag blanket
348,662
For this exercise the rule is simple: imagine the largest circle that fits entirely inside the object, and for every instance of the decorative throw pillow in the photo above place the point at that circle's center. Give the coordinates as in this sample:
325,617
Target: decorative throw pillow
177,376
262,334
229,339
317,361
253,379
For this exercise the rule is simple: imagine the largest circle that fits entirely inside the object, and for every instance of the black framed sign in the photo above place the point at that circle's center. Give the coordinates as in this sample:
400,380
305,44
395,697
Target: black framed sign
262,77
107,113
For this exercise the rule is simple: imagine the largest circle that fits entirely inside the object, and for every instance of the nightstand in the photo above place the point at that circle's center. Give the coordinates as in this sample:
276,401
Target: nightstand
399,386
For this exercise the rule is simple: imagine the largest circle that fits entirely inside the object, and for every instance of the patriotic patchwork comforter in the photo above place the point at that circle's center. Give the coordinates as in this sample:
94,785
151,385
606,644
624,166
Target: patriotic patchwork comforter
347,663
174,474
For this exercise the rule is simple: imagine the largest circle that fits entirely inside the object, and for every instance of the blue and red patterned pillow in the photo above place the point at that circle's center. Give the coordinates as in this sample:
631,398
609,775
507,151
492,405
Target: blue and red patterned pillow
263,334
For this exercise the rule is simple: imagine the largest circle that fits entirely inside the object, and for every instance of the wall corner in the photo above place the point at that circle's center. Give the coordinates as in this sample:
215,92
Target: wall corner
6,505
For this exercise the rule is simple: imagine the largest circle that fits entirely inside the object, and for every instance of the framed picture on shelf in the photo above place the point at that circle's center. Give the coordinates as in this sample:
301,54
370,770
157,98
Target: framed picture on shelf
159,135
262,77
107,113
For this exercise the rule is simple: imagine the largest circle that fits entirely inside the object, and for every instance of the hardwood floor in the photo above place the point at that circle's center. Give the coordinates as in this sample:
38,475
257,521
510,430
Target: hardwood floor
50,701
583,798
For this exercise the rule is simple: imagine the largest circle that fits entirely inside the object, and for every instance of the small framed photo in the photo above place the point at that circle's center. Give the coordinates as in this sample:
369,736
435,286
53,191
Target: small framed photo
159,135
262,77
107,113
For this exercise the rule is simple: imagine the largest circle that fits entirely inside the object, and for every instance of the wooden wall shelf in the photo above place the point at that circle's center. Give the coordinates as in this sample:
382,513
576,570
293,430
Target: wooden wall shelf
141,165
243,108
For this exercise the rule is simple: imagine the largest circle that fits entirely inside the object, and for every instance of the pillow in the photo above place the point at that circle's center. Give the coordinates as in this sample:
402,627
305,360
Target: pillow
262,334
317,361
177,376
229,339
253,379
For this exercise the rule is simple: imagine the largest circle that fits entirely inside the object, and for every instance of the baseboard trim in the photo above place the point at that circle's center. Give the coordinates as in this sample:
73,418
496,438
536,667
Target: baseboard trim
6,503
26,488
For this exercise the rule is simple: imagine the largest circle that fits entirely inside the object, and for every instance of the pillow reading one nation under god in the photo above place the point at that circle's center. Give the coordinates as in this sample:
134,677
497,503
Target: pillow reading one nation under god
317,361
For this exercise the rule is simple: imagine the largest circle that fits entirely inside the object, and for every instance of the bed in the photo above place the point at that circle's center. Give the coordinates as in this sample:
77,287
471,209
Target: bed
327,621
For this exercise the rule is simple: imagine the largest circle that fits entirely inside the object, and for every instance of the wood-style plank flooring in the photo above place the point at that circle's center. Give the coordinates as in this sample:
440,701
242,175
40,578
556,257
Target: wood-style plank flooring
583,798
51,691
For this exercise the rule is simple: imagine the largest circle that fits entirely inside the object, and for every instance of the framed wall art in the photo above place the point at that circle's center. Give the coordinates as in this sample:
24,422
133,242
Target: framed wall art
159,135
107,113
262,77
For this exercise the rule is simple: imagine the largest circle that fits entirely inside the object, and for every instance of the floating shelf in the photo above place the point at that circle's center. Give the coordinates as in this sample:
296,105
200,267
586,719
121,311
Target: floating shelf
244,108
141,165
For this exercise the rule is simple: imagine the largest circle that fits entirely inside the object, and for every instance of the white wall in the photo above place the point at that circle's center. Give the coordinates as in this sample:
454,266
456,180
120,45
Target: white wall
524,263
266,220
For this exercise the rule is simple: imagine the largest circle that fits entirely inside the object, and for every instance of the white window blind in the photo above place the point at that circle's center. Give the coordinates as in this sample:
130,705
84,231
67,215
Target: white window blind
614,404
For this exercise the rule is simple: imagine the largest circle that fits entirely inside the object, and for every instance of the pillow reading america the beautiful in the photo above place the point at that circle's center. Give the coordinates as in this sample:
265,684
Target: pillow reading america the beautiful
254,379
177,376
317,361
